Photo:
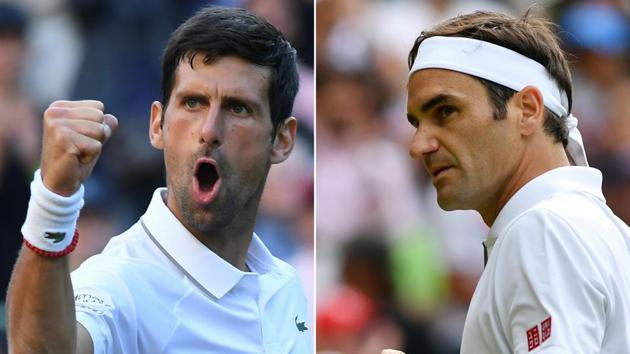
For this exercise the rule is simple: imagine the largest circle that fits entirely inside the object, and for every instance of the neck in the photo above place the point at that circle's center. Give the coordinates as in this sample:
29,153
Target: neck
532,164
230,242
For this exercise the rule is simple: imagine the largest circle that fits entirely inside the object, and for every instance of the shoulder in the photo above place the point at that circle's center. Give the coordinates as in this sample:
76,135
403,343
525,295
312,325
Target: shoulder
543,237
286,280
557,244
287,271
574,224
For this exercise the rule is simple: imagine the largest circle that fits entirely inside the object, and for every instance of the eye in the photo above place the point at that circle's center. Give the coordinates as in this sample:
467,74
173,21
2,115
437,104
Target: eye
192,103
238,109
445,111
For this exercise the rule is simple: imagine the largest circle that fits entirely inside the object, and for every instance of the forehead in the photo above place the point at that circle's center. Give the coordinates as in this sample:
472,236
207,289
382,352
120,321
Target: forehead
226,75
426,84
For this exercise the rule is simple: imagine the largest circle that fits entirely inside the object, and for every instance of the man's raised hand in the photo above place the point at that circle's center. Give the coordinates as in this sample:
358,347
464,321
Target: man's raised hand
73,135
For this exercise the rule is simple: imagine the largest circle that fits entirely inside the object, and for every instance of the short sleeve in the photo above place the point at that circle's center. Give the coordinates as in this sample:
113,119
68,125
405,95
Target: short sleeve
554,297
105,308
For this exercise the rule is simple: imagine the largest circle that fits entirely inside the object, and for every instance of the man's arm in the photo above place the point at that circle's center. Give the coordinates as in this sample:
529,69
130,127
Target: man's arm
41,317
40,301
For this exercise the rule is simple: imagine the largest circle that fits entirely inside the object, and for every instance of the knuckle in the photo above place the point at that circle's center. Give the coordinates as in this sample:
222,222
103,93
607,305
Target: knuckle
58,103
100,135
53,112
94,148
51,125
95,104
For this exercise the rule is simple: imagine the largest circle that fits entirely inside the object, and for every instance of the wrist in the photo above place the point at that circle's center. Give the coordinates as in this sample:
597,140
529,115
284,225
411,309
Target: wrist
51,219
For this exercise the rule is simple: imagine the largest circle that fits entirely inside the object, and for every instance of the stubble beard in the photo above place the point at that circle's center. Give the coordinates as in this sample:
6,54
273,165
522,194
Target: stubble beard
209,218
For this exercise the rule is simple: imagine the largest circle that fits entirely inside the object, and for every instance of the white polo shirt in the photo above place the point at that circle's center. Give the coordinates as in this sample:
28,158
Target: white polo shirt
558,273
157,289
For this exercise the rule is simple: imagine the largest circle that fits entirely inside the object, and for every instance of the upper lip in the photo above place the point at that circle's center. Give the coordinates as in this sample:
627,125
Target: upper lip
210,161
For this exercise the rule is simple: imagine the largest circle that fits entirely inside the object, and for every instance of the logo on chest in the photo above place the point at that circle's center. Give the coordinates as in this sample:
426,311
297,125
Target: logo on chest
301,326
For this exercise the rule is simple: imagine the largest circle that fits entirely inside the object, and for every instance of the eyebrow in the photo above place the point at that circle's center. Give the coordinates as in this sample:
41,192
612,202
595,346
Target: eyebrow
434,102
428,105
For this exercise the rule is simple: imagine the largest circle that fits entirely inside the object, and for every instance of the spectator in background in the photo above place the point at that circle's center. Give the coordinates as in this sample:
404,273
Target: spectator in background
356,189
19,143
357,316
598,34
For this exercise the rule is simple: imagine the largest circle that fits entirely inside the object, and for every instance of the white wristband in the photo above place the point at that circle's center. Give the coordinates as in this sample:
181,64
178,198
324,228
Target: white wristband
51,219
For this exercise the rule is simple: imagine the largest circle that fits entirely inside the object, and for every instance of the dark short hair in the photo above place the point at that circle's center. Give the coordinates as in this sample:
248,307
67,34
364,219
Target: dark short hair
215,32
530,36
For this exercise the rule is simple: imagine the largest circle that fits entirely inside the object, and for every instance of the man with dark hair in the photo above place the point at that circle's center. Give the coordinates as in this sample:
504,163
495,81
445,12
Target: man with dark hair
190,276
490,98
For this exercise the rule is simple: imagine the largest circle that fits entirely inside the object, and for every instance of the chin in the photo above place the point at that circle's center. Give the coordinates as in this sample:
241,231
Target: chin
446,206
449,201
206,221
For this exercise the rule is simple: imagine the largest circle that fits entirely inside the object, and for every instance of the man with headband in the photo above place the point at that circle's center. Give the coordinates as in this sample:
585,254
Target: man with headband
490,98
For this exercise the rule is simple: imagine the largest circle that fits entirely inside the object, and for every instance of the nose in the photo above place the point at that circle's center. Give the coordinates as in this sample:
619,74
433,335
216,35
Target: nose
212,127
422,143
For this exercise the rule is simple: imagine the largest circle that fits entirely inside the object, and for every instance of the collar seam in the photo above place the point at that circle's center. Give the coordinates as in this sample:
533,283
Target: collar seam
174,261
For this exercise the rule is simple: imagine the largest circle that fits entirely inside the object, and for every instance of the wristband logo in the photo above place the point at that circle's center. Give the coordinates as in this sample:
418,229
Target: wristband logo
56,237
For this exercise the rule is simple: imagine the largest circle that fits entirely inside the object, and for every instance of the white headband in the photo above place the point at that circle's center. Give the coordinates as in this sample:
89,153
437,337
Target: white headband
502,66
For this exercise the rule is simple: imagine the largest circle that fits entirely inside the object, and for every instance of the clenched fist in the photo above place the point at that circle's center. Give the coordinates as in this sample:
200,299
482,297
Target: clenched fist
74,134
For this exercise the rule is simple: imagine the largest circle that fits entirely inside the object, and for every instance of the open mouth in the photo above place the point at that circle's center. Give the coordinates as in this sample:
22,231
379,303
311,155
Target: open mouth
207,176
207,180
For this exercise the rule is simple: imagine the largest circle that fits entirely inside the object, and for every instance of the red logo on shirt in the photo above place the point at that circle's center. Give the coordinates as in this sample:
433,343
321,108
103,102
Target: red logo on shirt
545,327
533,336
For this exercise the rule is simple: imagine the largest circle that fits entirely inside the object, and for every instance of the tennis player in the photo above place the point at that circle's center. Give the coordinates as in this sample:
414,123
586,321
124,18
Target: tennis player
490,98
190,276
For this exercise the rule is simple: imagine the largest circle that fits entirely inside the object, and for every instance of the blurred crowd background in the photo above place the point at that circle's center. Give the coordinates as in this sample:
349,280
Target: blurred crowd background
111,50
393,270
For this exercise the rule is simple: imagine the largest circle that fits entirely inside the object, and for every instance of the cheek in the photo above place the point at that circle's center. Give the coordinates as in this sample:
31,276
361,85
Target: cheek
495,154
479,148
249,146
177,141
174,164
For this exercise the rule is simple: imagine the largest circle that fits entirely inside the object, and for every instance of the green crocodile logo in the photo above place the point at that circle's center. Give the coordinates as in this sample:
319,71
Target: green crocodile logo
55,236
301,326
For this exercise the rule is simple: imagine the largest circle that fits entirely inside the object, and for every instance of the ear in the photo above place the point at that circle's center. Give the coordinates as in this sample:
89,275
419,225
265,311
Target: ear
532,110
284,140
155,127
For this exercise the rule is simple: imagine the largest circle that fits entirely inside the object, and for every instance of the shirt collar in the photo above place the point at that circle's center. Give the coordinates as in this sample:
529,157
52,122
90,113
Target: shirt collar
559,180
203,266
